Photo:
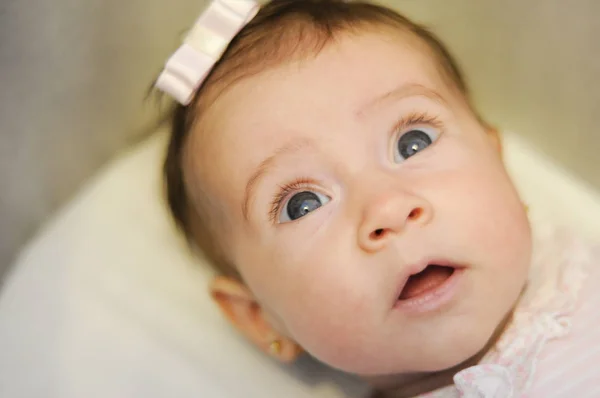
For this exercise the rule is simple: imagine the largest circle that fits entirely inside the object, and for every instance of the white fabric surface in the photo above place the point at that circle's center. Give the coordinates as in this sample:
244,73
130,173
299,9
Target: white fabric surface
107,302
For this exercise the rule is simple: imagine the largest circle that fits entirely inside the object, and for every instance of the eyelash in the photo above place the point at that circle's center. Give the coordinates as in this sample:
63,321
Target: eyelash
417,118
410,120
284,191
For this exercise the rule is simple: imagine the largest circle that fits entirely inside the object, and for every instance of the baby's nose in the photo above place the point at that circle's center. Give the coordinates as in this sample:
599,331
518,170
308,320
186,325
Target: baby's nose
389,216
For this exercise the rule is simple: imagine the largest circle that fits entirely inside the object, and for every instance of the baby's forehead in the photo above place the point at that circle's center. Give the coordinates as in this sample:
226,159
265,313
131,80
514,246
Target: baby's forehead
344,77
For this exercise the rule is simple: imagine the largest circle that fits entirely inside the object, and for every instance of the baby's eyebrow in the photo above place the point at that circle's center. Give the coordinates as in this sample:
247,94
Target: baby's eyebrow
403,91
286,149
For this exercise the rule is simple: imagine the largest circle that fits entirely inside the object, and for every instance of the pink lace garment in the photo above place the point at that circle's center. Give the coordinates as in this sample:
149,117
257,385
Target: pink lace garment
552,348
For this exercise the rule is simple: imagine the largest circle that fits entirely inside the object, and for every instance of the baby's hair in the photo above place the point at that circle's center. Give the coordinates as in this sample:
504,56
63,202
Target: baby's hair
282,31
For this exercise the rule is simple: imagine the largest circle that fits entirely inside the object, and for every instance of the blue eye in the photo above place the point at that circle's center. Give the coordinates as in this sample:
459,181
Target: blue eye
300,204
414,141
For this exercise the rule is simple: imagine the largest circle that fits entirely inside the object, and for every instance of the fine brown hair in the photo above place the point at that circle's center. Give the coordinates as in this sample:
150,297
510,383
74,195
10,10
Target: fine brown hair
283,30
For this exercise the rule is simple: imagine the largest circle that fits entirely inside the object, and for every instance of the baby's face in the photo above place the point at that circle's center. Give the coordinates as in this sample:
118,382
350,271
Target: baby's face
340,177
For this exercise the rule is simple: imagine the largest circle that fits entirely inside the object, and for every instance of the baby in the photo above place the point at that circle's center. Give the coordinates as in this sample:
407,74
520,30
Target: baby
327,158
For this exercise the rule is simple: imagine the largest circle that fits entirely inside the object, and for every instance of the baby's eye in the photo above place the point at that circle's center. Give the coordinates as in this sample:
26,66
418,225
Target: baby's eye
414,141
300,204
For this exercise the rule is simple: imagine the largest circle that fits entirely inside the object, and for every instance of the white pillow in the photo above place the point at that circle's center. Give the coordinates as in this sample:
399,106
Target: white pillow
108,302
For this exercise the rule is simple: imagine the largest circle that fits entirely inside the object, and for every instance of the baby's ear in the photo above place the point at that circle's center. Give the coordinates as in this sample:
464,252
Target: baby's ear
495,137
241,309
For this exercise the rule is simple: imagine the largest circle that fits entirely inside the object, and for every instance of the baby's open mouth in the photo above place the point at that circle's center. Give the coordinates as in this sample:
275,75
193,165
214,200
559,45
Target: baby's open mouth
430,278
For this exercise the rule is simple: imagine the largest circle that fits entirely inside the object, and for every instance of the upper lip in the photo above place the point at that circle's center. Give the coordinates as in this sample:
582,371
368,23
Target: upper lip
417,268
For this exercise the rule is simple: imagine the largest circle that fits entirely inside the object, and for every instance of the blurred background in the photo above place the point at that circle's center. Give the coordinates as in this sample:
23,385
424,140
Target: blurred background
74,76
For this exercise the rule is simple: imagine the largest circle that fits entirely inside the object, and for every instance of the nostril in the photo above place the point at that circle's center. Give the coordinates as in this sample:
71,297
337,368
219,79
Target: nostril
377,234
415,214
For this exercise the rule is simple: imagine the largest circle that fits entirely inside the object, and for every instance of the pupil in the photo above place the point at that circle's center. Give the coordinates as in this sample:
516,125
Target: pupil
412,142
301,204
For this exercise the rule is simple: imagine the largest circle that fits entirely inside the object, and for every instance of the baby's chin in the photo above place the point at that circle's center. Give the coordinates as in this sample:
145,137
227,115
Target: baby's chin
464,350
430,376
424,363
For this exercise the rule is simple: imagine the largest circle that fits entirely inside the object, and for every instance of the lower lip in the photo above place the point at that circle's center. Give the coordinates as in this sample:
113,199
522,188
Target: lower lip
433,299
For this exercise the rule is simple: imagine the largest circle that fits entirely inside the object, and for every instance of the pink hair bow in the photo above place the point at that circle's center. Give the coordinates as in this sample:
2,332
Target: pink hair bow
187,68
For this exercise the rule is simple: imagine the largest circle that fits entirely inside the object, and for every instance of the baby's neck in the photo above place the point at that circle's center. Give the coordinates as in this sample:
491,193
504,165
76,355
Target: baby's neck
412,384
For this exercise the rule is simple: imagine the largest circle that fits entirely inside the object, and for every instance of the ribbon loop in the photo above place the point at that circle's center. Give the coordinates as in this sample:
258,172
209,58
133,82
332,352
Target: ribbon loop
204,45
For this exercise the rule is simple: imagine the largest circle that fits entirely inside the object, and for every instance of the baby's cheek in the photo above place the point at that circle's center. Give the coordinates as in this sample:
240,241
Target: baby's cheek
508,225
503,236
330,329
488,220
327,310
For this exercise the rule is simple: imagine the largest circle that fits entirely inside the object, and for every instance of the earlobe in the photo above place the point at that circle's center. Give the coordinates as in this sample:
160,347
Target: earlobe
243,311
496,138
